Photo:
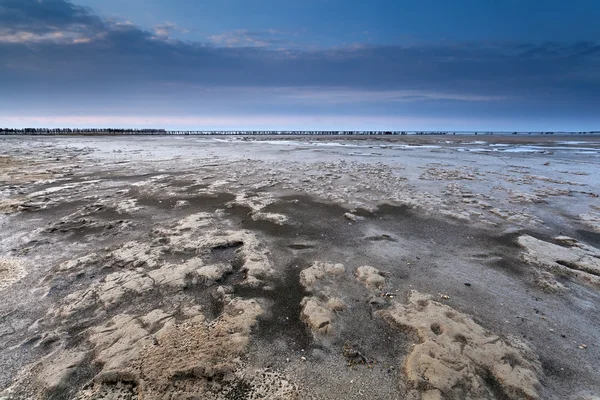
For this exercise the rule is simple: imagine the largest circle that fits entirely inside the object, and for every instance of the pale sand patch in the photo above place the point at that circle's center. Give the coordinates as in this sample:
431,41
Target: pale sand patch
318,311
257,202
572,259
15,171
591,219
11,271
152,356
9,206
456,358
371,277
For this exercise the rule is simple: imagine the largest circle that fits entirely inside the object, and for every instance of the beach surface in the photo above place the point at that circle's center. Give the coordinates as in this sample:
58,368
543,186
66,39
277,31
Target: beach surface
404,267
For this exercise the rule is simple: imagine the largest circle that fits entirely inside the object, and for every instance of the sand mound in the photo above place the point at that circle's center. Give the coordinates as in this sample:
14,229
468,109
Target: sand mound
318,310
162,359
572,258
458,359
153,356
371,277
319,274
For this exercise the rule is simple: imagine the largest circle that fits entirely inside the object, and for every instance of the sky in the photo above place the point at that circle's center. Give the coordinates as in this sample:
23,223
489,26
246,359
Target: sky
470,65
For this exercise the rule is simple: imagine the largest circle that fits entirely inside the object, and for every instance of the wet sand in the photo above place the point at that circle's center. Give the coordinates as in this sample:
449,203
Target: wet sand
300,268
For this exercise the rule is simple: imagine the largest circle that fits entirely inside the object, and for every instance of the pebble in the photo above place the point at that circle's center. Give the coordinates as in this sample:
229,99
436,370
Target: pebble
350,216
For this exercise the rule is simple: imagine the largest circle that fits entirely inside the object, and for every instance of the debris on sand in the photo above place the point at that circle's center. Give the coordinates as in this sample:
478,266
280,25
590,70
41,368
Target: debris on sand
573,259
354,356
456,358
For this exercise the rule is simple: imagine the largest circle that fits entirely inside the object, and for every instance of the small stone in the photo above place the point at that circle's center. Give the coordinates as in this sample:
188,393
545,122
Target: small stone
350,216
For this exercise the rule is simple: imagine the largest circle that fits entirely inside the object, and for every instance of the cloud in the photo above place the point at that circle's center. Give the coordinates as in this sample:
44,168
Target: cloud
345,95
167,29
56,47
59,21
258,38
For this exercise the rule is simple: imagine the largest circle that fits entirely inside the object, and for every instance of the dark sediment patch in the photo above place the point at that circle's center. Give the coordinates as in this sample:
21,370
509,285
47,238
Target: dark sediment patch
86,227
410,224
206,202
108,213
589,237
83,374
283,318
313,221
118,176
76,333
62,284
193,188
300,246
225,254
494,385
383,237
52,209
310,220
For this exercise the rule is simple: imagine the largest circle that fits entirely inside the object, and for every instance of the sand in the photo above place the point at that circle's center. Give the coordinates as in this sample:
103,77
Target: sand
305,268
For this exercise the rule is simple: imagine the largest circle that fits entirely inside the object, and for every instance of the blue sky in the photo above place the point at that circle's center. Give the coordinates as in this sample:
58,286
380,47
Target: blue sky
311,64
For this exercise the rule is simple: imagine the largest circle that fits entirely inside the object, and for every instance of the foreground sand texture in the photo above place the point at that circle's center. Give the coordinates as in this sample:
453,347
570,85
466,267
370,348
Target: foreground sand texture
300,268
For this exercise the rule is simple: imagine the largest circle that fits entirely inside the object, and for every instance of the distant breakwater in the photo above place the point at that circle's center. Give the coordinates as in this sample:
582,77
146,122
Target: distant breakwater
159,132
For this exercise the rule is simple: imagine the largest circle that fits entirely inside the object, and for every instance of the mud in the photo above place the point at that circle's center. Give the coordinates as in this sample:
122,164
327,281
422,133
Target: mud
156,271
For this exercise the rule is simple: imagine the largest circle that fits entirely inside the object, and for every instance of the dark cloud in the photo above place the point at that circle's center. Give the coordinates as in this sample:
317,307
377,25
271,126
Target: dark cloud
40,16
107,54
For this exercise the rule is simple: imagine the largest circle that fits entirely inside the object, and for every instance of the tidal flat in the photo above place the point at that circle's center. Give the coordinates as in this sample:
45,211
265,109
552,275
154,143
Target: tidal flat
433,267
